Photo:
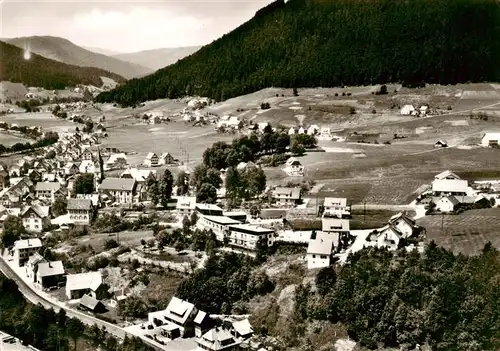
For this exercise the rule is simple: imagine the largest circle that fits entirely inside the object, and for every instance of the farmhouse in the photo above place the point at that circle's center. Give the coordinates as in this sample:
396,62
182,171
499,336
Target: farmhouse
80,284
287,196
115,161
405,225
23,249
490,139
218,339
319,250
447,204
151,160
249,237
185,204
48,191
141,176
50,274
31,266
333,224
447,175
293,167
388,237
121,189
166,159
408,110
36,218
175,319
446,187
80,211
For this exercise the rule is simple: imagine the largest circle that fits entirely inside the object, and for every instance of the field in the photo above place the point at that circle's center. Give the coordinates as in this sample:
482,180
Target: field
8,139
465,233
46,120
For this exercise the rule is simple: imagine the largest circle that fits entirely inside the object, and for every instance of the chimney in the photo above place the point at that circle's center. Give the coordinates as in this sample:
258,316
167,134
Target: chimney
28,242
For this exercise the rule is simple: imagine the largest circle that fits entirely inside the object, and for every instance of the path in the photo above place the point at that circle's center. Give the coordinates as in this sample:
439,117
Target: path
36,297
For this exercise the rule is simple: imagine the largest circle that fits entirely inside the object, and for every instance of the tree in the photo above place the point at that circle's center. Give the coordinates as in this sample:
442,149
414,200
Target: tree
60,206
182,183
207,194
51,155
296,147
165,188
234,184
254,181
84,184
13,228
74,328
153,191
325,280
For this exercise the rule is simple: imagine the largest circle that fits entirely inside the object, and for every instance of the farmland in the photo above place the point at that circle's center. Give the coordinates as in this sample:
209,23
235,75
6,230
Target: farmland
465,233
8,139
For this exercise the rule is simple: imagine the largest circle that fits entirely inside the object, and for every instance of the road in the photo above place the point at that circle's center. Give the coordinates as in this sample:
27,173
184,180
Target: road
34,296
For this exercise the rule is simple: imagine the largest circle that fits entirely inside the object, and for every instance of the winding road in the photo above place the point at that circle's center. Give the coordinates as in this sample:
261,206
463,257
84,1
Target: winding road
35,297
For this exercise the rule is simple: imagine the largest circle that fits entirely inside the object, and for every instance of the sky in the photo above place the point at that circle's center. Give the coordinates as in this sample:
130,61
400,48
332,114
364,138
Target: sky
126,26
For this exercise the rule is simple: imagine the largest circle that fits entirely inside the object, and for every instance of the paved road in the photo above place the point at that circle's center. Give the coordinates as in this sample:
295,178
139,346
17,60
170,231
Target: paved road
33,296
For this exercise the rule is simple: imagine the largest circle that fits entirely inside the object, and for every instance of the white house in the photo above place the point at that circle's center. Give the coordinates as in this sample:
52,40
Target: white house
80,284
333,224
50,274
301,130
293,167
185,204
176,317
287,196
325,134
115,161
490,139
446,175
218,224
166,159
291,131
388,237
151,160
139,175
249,237
36,218
447,204
48,191
23,249
80,211
313,129
407,110
218,339
121,189
87,166
405,225
337,205
319,250
446,187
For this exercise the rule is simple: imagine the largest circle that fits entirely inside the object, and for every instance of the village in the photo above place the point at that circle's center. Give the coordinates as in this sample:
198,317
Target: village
81,189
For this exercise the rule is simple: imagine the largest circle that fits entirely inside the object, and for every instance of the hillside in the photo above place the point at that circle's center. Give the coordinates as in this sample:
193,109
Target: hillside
308,43
159,58
100,51
42,72
60,49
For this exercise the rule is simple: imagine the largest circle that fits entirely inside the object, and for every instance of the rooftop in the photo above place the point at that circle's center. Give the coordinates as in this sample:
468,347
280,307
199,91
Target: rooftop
82,281
320,246
335,201
47,269
250,229
450,185
79,204
117,184
28,243
292,193
222,220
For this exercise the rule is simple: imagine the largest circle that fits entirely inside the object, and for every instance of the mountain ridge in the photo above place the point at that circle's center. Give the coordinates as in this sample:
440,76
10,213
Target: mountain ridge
63,50
156,59
320,43
40,71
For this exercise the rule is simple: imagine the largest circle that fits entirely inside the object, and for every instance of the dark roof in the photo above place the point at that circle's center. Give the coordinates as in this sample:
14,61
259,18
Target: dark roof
79,204
117,184
89,302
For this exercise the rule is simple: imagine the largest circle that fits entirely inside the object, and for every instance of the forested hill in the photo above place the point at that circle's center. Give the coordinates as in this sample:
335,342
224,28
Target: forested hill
39,71
306,43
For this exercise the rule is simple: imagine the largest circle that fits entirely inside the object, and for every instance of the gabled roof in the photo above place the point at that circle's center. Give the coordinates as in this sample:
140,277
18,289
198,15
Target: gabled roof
243,327
335,201
89,302
27,243
320,246
83,281
402,216
452,199
40,211
35,259
47,269
291,193
217,339
150,155
200,317
446,174
179,310
117,184
47,186
450,185
79,204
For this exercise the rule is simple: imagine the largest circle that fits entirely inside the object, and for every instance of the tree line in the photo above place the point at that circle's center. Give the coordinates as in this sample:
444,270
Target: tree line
450,302
49,138
311,43
48,330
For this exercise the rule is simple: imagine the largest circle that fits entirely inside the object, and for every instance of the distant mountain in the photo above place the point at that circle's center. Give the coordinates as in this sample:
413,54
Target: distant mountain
39,71
158,58
101,51
60,49
324,43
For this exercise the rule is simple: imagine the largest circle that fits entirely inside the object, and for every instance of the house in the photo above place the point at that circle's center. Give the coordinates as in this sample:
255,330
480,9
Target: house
238,215
242,329
115,161
50,274
337,205
287,196
407,110
151,160
218,224
87,154
31,266
293,167
119,294
178,318
446,175
23,249
291,131
325,134
88,166
14,171
446,187
91,304
440,143
71,169
48,191
121,189
301,130
490,139
319,251
202,323
141,176
80,284
405,225
80,211
36,218
166,159
388,237
249,237
185,204
312,130
447,204
217,339
209,210
333,224
423,110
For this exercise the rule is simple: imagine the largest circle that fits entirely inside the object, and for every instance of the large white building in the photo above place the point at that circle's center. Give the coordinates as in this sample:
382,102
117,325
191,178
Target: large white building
23,249
490,139
248,237
320,249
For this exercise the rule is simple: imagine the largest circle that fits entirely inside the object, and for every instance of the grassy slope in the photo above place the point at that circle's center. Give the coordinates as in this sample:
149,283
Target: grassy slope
42,72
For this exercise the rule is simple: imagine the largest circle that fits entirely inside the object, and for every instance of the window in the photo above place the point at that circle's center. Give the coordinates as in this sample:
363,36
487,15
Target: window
314,256
323,257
